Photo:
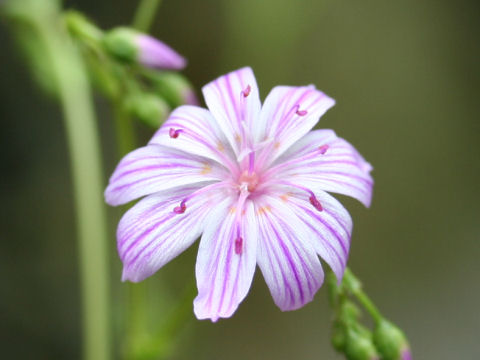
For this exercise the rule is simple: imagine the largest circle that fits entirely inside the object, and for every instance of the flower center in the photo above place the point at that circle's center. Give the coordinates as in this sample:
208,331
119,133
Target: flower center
248,181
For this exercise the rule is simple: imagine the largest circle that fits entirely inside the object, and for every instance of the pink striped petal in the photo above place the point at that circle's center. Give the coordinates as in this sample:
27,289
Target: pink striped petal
321,161
234,101
286,256
330,229
288,114
307,144
155,168
151,233
194,130
225,264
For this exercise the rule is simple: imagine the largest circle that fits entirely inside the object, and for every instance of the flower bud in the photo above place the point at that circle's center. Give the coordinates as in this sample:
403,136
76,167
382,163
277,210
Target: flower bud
347,321
148,108
349,312
176,89
359,346
134,47
338,336
391,342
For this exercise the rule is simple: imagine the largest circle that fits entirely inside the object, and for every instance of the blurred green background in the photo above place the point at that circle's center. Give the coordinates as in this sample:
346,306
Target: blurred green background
406,78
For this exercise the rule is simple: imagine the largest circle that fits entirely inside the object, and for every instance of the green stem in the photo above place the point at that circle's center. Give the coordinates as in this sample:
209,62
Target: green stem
81,28
355,287
138,341
145,14
180,314
368,305
125,135
125,138
136,320
333,290
85,159
137,292
161,343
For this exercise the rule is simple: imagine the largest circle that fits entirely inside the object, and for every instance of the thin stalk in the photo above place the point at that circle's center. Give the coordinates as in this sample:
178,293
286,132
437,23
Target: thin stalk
368,305
136,303
354,286
161,343
333,290
124,131
137,319
125,138
136,292
180,315
85,159
145,14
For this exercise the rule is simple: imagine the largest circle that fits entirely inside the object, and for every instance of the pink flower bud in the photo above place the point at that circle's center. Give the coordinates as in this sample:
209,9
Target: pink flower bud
132,46
156,54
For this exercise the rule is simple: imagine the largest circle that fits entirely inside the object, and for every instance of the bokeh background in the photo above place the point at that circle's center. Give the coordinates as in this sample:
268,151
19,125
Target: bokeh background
405,75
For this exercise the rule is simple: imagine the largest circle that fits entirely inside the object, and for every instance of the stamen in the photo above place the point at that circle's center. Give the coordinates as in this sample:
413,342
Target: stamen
313,199
174,133
246,92
238,245
180,209
316,204
323,149
300,112
219,150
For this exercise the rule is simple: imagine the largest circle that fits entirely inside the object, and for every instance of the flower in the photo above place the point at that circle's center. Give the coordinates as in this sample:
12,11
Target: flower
252,179
132,46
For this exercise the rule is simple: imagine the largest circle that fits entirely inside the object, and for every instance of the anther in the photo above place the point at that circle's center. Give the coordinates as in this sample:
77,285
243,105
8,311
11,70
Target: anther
316,204
180,209
323,149
246,92
238,245
300,112
174,133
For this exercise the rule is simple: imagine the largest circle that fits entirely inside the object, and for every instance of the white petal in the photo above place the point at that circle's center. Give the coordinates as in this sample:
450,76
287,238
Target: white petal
235,113
338,168
289,113
225,269
151,234
330,229
154,168
198,134
285,255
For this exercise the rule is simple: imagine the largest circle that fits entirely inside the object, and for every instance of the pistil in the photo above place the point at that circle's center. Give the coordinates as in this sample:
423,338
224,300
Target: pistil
251,162
248,181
